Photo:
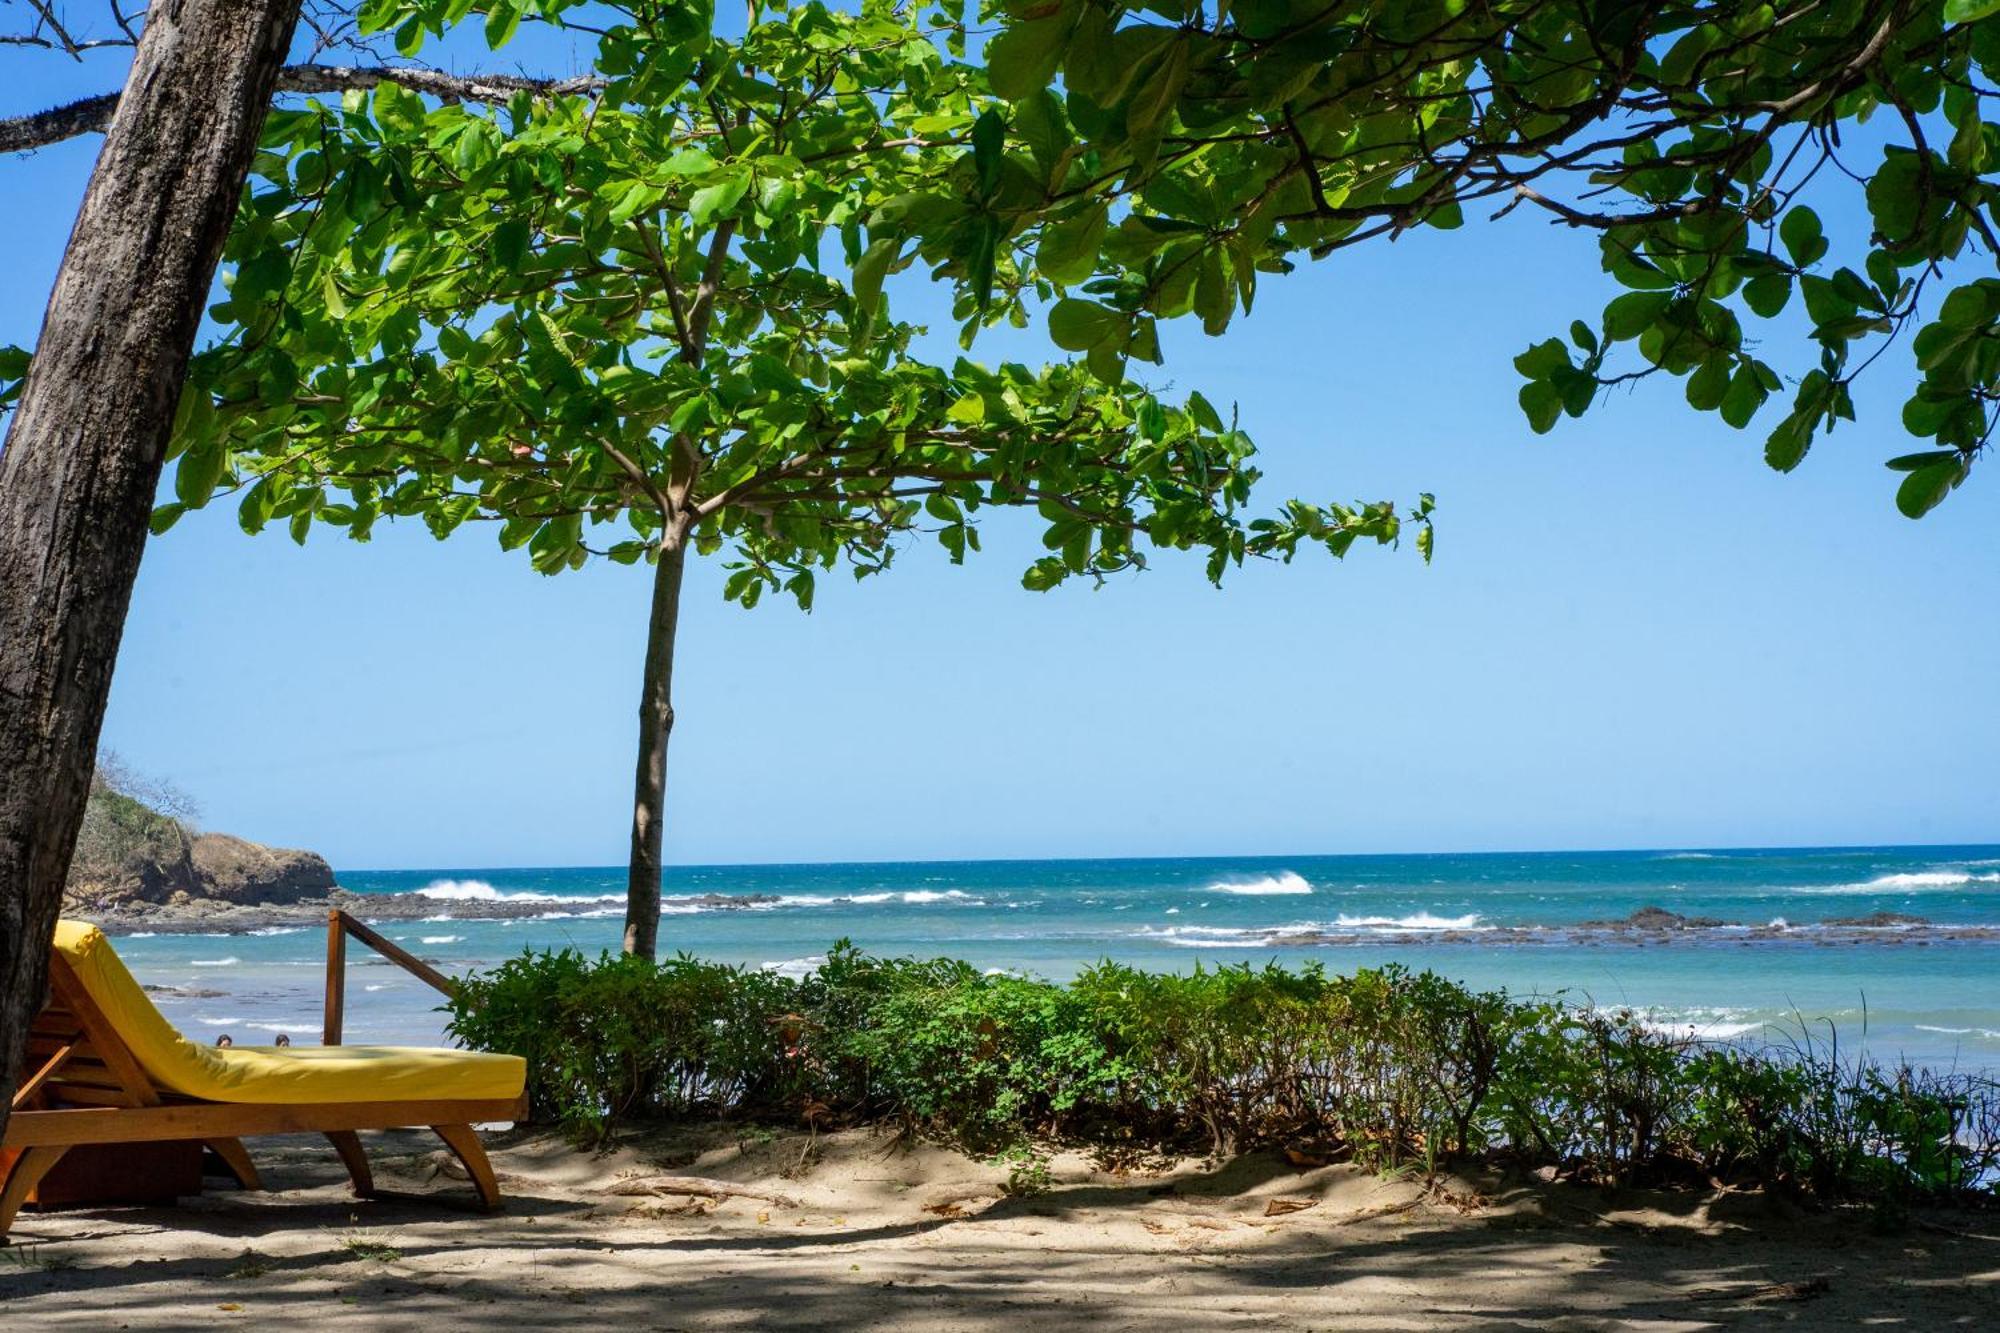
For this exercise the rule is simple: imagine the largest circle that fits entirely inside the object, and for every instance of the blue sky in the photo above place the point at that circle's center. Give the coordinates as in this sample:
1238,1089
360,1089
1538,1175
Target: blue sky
1634,634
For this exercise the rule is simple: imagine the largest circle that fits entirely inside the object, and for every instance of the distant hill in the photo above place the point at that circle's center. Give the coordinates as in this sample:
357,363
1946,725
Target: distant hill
133,850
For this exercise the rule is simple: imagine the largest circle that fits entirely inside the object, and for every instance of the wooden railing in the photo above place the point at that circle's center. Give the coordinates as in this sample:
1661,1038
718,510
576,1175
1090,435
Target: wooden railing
339,925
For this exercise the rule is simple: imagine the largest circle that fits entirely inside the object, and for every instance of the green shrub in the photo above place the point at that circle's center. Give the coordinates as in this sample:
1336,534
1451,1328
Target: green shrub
1388,1067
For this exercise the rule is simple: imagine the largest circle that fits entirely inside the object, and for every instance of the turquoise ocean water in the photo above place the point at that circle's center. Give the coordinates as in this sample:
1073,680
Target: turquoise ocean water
1901,992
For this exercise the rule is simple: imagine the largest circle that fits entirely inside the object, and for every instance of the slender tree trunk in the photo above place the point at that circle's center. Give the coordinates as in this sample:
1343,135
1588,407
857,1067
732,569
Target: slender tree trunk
89,436
656,725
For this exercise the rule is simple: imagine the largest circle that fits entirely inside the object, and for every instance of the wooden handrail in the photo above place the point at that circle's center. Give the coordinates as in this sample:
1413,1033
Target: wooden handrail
339,925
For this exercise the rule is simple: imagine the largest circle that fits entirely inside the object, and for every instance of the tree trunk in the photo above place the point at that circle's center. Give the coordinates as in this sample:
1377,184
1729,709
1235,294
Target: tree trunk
89,437
656,724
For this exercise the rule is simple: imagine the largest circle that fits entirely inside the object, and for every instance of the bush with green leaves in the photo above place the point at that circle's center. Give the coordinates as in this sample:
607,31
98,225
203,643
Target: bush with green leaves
1387,1068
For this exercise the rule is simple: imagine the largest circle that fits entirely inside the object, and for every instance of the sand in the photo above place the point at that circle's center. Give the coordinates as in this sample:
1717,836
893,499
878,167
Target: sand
861,1230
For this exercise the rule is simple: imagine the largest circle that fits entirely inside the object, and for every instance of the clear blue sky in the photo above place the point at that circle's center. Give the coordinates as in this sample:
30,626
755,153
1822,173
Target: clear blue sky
1634,633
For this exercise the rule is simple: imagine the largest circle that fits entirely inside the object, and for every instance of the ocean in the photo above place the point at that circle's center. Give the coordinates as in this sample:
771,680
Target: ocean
1771,970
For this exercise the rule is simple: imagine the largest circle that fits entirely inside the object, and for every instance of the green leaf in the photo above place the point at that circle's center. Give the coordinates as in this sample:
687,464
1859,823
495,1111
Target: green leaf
871,270
1044,574
1967,307
1543,359
1969,11
1801,233
989,149
712,200
1079,326
1067,252
1709,384
1022,58
1789,440
501,21
1204,414
1924,489
1543,403
510,243
1768,295
200,470
1928,458
165,517
1632,314
1745,395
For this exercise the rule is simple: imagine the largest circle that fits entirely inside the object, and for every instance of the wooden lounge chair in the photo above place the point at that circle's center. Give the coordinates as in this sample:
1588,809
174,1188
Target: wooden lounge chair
106,1067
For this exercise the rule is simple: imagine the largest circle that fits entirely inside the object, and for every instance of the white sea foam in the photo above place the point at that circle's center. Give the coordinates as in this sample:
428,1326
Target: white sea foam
1779,923
1216,937
214,962
1718,1023
1285,881
283,1027
1912,881
912,896
278,930
1173,911
143,935
797,968
1685,856
442,939
1416,921
380,985
1990,1034
1722,1031
208,1020
479,891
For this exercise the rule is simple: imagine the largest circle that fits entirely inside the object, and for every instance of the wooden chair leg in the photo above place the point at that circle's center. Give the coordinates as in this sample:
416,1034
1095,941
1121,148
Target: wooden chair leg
29,1168
348,1144
464,1143
237,1158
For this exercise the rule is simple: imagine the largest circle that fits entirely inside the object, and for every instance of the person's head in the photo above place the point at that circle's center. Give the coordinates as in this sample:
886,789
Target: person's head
283,1040
224,1040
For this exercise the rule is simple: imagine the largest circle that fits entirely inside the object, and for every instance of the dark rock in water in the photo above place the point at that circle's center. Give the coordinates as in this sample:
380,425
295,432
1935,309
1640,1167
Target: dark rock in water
184,992
1656,918
1877,919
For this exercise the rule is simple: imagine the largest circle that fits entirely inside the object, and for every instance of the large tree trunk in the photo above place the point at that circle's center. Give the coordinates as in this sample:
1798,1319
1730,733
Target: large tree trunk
89,437
656,725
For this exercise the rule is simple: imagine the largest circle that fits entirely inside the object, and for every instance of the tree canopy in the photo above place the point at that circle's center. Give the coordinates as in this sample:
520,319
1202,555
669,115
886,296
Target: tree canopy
1158,160
594,315
1224,141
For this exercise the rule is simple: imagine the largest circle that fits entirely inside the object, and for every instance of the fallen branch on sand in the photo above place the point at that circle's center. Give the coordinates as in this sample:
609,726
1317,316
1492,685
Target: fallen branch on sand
699,1186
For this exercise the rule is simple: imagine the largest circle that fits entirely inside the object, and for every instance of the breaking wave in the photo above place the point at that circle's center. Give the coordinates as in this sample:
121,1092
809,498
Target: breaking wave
1285,881
1913,881
1416,921
479,891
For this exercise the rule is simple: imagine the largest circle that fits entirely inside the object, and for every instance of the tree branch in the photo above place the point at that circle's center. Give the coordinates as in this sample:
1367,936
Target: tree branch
91,115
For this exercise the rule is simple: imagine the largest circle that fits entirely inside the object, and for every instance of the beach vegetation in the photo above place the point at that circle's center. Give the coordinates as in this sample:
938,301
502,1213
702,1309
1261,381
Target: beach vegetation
1390,1069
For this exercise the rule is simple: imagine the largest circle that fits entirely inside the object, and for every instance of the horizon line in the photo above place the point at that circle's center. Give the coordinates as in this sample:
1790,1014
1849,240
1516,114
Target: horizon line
1762,849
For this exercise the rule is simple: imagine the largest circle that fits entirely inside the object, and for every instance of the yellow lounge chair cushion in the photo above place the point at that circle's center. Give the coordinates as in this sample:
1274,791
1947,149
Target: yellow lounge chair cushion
270,1075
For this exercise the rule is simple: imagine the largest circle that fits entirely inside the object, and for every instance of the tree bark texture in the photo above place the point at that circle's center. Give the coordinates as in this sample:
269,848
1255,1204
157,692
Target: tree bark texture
89,437
656,725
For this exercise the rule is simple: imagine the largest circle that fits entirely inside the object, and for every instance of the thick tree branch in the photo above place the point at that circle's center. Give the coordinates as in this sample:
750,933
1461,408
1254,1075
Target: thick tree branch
92,114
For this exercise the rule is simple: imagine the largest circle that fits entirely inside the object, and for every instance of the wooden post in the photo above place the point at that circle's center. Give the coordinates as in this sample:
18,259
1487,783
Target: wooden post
336,976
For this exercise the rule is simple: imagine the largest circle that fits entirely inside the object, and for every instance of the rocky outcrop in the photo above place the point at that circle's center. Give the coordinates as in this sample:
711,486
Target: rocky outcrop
129,856
232,870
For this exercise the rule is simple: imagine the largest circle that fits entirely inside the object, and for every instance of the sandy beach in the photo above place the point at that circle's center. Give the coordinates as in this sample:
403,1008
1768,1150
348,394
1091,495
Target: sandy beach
729,1227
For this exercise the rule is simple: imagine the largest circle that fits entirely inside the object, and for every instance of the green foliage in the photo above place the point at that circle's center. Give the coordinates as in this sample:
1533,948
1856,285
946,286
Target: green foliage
1200,147
652,308
1386,1068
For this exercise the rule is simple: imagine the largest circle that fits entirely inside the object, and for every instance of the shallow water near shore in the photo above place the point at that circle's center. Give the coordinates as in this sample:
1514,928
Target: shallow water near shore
1522,922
